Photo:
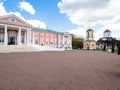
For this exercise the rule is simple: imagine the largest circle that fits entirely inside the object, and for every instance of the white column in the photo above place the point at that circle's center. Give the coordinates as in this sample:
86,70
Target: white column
25,38
68,40
63,41
28,36
33,38
5,36
59,40
19,36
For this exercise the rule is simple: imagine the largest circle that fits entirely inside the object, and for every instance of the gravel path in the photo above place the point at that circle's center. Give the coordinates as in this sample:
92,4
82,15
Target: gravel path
66,70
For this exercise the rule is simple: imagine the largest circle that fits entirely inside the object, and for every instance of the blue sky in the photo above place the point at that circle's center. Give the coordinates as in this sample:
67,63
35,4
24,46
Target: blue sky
68,15
45,11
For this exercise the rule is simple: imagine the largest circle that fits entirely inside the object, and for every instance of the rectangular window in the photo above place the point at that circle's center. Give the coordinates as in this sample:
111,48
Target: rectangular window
36,40
51,41
42,41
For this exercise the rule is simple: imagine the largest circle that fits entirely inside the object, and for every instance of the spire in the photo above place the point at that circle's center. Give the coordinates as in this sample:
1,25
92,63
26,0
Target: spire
89,24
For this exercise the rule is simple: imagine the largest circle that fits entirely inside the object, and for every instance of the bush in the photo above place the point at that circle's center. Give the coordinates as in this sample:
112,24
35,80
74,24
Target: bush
118,50
104,49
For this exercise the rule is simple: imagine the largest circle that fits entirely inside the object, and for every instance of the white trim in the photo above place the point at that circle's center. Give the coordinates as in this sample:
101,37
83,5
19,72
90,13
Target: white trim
14,26
12,15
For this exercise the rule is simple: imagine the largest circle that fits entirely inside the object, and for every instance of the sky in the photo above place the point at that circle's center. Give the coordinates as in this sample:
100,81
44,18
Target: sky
74,16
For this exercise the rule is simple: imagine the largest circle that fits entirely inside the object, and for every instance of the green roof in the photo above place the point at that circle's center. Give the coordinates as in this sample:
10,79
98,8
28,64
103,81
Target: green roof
46,30
89,30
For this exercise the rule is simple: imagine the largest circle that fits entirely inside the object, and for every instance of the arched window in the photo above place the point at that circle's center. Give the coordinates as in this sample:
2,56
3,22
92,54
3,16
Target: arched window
92,35
88,34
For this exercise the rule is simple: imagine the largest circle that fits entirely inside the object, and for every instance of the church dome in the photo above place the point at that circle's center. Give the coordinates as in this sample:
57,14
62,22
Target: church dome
107,31
89,30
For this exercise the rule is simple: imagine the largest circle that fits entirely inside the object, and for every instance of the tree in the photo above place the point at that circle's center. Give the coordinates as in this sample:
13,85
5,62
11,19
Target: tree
118,48
112,48
77,42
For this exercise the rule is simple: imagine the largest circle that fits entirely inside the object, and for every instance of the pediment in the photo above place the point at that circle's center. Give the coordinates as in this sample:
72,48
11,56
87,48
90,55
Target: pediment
14,20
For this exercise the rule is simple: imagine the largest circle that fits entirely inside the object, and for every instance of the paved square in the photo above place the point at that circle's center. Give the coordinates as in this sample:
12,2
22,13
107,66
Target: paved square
67,70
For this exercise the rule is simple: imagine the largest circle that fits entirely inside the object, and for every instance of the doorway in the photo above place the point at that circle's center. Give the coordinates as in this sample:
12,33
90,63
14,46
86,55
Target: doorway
12,38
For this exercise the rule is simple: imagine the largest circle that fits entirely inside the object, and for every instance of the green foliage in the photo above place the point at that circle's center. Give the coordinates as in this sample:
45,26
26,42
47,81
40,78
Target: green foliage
113,49
77,42
119,50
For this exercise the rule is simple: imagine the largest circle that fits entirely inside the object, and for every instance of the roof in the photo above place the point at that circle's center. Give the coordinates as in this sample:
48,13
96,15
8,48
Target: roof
107,31
5,19
89,30
106,39
46,30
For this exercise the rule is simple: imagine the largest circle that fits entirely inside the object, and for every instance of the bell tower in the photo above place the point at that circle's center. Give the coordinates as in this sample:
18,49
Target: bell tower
89,43
89,34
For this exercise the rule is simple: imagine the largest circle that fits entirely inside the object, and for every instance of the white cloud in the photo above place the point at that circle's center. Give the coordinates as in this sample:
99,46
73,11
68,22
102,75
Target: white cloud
17,14
80,31
27,7
37,23
2,9
105,12
114,28
80,11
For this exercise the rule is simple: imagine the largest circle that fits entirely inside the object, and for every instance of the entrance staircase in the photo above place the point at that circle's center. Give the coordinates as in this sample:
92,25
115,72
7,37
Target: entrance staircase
16,48
26,48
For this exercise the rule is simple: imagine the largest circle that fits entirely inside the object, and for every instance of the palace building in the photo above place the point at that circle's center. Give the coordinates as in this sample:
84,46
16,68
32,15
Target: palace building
89,43
15,31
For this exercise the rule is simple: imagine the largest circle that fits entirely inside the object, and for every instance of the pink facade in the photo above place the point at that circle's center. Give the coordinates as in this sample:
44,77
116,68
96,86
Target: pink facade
51,39
15,31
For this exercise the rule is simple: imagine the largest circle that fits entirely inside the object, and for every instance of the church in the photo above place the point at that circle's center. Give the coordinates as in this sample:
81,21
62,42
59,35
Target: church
15,31
107,41
89,43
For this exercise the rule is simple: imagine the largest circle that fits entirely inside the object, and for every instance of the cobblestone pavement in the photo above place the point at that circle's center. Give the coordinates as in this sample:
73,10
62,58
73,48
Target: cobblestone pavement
66,70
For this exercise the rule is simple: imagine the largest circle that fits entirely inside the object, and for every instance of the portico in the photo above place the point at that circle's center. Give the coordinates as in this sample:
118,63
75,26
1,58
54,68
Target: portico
14,31
12,35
